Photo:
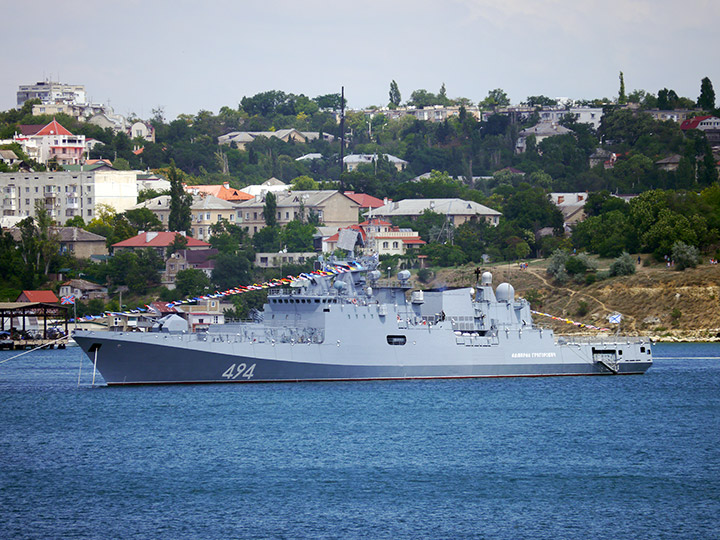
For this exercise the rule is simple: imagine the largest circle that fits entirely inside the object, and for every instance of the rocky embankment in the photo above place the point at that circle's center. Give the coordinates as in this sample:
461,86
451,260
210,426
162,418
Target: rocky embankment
664,304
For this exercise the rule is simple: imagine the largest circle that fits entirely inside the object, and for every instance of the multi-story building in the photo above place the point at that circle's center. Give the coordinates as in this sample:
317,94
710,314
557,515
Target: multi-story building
333,208
457,211
205,210
51,92
67,194
379,237
352,161
51,142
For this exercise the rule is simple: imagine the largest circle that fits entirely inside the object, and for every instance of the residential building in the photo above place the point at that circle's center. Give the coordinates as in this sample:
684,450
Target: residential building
205,210
540,131
333,208
141,130
65,194
379,237
432,113
366,202
352,161
148,180
670,163
703,123
83,289
221,191
280,259
679,115
203,314
582,115
241,138
572,207
185,259
46,297
457,211
52,142
8,157
271,185
51,92
80,243
159,241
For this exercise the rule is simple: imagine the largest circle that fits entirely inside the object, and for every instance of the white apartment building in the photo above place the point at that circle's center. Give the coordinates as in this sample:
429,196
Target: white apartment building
51,92
68,193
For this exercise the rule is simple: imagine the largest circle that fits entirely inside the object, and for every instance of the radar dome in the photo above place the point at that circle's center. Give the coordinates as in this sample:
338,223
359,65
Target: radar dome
486,279
404,275
374,275
505,292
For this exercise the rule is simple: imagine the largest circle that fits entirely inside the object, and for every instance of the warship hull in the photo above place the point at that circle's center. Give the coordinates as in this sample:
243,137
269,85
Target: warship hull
133,358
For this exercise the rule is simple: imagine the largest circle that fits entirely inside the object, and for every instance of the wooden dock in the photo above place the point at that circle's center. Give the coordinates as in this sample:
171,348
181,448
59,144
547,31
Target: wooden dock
24,344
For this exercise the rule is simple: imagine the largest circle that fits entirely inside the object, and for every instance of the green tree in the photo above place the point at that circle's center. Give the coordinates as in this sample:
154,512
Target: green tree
297,236
540,101
495,98
269,212
395,97
143,219
191,282
304,183
180,218
706,101
622,98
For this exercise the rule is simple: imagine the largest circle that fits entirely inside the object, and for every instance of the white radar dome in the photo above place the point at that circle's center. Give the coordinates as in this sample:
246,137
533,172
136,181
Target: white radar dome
505,292
486,279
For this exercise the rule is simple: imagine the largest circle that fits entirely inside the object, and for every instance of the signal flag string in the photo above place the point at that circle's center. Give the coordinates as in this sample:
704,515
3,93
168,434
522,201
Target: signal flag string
328,270
568,321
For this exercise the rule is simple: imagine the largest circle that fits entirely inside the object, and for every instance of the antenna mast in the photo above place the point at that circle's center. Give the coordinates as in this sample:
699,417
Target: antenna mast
342,136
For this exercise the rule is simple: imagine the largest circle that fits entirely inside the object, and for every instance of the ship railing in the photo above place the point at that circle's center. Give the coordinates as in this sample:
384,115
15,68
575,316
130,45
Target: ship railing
602,340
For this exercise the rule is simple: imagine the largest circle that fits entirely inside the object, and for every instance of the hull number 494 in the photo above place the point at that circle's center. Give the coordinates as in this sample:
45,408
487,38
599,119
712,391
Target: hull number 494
239,370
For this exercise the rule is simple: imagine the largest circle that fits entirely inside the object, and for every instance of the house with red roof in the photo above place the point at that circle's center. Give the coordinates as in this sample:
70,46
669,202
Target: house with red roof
158,241
51,142
47,297
221,191
380,237
366,202
703,123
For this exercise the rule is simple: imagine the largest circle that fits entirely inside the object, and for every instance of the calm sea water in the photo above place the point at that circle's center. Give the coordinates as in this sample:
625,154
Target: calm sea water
634,457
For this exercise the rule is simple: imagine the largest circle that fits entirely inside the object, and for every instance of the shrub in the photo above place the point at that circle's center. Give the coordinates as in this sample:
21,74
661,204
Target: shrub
590,279
675,315
425,275
556,266
624,265
583,308
534,297
684,255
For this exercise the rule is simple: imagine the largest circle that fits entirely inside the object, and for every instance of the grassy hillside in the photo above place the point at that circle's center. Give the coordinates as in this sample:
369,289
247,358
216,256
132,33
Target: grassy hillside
657,301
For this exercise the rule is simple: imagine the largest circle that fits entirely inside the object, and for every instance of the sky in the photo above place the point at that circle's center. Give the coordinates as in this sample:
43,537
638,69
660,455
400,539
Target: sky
183,56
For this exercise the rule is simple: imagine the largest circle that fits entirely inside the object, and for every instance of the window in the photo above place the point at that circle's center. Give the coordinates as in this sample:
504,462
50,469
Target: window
89,199
27,201
287,215
254,215
89,212
386,245
279,215
395,245
396,340
207,216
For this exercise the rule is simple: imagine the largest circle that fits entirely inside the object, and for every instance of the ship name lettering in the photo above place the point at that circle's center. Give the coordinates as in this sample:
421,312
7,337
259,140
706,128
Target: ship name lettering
534,355
236,370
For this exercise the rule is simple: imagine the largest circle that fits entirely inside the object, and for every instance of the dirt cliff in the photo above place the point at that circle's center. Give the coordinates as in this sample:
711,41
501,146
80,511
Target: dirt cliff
656,301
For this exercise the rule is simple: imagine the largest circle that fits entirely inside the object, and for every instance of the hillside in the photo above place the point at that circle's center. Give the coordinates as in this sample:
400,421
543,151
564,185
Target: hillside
663,303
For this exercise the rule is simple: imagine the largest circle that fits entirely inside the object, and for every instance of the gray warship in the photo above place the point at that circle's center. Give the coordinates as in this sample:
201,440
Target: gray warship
352,325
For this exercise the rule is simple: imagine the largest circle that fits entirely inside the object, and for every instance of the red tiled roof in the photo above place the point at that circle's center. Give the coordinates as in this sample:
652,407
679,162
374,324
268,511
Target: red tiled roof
39,296
53,128
376,221
221,192
693,123
157,239
29,129
364,200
